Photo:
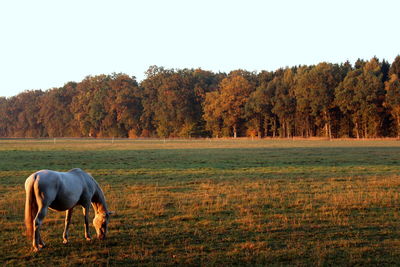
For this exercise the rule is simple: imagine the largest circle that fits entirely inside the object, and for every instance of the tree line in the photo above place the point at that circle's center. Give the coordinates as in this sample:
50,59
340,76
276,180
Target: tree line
330,100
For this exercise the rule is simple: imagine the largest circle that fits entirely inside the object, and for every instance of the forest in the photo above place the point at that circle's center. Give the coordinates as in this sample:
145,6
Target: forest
360,100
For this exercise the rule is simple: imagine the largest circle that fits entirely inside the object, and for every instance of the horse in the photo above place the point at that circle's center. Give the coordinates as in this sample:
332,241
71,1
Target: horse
62,191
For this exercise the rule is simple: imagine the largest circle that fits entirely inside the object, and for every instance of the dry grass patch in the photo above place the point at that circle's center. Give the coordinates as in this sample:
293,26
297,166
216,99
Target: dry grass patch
256,202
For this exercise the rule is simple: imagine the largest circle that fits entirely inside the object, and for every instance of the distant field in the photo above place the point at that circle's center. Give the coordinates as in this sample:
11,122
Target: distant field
214,202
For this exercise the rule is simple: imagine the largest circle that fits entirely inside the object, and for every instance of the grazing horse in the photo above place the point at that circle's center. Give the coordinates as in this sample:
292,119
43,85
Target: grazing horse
62,191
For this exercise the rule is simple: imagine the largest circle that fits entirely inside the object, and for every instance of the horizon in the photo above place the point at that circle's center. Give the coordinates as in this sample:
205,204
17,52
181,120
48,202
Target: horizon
49,44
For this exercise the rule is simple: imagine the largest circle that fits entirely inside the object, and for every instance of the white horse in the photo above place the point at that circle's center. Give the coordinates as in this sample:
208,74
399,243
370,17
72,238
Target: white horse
62,191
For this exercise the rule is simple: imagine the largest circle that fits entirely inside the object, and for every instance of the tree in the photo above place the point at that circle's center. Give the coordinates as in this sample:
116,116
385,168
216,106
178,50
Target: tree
302,90
22,114
107,105
55,114
395,67
172,101
284,101
392,87
4,122
258,108
175,110
315,90
213,113
360,95
88,104
124,106
149,88
203,82
392,100
234,93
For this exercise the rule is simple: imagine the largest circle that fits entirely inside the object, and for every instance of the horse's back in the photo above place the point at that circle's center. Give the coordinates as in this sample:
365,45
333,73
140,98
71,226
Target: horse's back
45,182
61,190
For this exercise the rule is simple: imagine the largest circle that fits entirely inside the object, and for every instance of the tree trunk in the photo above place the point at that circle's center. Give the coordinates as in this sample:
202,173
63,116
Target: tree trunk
260,128
266,127
274,127
326,130
330,131
327,125
365,129
398,126
288,130
357,132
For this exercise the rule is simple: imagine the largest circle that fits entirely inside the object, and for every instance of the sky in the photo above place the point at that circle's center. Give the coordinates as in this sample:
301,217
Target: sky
47,43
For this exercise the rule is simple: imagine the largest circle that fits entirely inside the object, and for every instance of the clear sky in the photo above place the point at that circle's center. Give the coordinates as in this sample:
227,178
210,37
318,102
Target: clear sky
46,43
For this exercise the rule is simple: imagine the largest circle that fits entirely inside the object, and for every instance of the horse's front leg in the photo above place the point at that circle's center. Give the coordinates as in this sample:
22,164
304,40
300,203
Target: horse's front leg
68,215
37,240
85,210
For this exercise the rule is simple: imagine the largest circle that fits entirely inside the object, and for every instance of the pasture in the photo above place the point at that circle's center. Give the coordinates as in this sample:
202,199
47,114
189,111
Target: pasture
214,202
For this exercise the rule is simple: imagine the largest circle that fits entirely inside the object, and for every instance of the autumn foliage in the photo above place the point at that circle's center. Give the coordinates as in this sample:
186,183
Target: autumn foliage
329,100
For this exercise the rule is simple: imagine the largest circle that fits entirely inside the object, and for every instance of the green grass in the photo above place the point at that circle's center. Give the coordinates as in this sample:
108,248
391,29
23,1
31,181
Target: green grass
215,202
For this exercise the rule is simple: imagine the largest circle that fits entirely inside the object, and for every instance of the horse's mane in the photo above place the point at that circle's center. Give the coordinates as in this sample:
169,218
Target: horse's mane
99,195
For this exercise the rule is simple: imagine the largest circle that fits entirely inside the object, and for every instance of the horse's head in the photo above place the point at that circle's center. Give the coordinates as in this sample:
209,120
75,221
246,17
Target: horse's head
100,223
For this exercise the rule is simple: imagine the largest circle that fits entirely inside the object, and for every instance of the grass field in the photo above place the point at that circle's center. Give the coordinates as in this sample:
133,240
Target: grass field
209,202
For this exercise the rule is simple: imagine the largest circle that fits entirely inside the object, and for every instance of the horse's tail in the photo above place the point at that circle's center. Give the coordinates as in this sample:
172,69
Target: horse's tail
31,207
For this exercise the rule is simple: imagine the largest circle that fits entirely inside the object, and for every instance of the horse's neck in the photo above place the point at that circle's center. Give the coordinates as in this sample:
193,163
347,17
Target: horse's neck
99,201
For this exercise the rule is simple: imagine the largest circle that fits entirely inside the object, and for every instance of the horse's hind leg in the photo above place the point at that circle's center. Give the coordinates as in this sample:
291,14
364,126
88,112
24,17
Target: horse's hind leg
37,241
41,243
68,215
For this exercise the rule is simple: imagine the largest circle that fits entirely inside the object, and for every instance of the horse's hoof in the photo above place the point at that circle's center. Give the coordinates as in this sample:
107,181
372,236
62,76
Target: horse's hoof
88,239
65,241
36,249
